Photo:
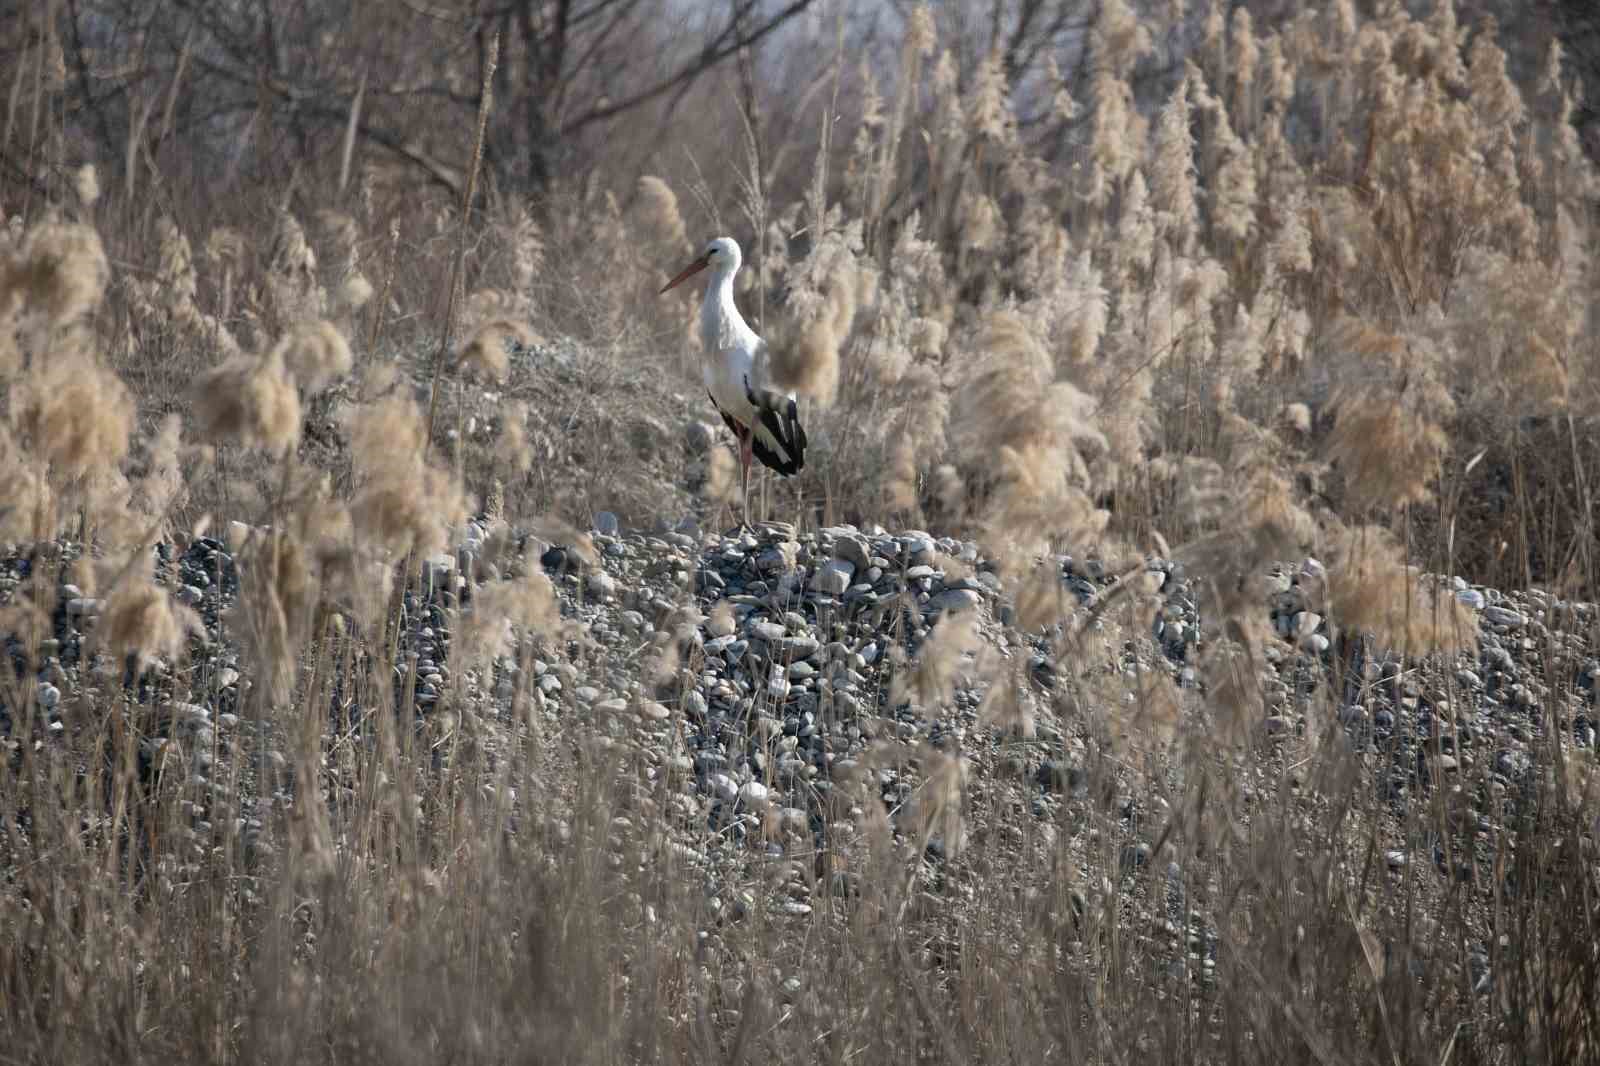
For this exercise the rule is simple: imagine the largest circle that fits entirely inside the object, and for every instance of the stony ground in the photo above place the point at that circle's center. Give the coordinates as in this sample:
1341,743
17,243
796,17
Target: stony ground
782,652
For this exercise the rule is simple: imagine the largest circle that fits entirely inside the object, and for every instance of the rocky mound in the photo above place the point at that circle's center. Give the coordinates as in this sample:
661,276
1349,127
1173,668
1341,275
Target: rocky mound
752,680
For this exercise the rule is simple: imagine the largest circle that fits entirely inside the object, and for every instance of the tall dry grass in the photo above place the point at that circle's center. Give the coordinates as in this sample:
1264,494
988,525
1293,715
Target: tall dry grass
1328,293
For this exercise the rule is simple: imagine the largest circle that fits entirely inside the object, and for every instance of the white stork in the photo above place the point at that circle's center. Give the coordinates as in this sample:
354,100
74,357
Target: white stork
765,421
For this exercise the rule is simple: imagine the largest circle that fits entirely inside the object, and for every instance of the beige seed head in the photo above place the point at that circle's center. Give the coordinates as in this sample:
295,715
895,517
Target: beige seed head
141,619
78,414
248,400
485,352
657,209
60,270
316,354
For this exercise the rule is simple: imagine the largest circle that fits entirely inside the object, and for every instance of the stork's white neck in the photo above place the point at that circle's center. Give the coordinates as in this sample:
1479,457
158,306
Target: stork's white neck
721,325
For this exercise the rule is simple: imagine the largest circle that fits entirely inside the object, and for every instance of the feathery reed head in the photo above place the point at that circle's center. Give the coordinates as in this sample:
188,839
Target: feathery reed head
316,354
78,414
249,400
59,270
140,619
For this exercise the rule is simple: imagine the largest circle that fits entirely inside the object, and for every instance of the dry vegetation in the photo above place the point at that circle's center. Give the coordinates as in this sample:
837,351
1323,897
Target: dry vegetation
1178,283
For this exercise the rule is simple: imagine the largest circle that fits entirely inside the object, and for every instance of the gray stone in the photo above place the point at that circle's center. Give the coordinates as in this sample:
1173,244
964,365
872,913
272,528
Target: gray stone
779,558
801,647
771,632
953,600
833,577
699,436
754,795
602,586
82,606
1502,616
850,547
920,548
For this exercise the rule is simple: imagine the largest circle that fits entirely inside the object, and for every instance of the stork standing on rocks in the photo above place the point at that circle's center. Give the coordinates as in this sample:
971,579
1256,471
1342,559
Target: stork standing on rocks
766,422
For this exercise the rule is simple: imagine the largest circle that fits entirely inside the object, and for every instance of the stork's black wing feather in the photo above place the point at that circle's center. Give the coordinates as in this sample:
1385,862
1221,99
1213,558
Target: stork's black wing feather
777,439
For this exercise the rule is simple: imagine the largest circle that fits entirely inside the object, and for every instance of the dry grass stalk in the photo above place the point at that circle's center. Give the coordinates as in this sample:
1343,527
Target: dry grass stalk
720,483
945,657
292,292
1009,707
403,503
935,810
28,512
807,361
500,608
169,298
657,213
1021,436
513,448
351,288
457,265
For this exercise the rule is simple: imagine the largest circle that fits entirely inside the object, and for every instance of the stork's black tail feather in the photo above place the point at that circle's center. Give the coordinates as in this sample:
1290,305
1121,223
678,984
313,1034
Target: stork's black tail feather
779,440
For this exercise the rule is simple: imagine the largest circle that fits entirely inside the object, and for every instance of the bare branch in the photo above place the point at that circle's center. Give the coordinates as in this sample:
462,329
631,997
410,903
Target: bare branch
715,52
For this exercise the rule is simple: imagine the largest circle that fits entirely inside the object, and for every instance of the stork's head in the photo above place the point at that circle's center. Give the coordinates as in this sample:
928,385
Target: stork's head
722,255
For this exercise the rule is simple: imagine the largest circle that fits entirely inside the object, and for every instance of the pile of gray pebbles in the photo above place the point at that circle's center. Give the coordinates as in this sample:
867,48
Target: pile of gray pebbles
782,646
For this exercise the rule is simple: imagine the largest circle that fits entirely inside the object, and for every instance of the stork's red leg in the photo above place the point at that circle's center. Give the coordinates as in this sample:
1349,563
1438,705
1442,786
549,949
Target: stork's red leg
746,452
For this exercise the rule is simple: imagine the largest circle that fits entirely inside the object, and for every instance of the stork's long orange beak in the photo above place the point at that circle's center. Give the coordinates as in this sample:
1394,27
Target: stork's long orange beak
688,272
